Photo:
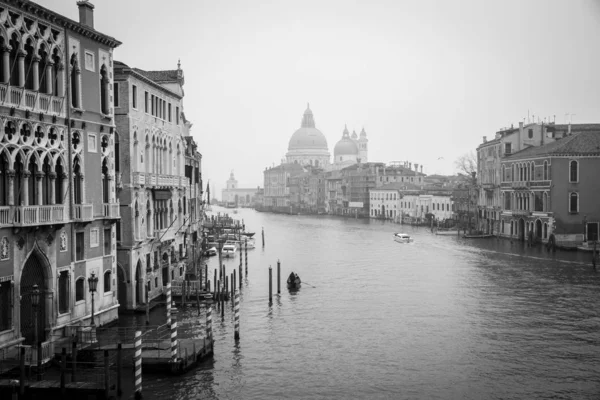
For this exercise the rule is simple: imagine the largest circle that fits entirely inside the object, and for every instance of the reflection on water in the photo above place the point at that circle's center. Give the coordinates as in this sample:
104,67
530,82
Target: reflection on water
441,318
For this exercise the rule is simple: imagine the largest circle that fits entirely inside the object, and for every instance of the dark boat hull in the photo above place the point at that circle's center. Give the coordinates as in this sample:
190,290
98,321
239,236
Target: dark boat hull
293,281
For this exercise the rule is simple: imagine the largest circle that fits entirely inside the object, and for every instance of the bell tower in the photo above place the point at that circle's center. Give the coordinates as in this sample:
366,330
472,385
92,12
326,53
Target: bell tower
232,182
363,147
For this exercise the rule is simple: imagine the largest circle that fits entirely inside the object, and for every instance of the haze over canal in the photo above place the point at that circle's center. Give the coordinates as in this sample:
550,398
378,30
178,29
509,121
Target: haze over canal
440,318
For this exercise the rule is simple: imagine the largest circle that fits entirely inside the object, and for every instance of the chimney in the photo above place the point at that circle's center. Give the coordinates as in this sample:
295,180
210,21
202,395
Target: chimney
569,131
409,165
86,13
416,167
421,169
484,139
520,136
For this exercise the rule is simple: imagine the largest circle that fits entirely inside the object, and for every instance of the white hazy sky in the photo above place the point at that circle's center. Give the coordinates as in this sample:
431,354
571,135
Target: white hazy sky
427,79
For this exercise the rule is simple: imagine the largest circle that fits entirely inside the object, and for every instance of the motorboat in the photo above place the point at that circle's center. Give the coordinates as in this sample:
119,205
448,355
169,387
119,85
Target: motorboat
211,252
293,281
246,241
228,250
403,238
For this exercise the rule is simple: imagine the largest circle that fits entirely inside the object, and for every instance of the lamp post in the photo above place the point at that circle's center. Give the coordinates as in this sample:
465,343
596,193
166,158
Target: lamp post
93,283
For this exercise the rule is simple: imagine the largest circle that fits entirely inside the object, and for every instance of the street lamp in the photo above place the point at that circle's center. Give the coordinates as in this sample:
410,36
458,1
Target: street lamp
93,283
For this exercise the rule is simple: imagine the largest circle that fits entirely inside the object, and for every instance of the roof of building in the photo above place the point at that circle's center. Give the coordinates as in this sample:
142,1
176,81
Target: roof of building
308,137
159,76
398,186
583,143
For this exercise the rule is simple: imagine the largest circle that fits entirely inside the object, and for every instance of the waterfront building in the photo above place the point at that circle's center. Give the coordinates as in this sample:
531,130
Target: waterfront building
307,191
57,168
160,182
491,153
357,180
276,183
234,196
333,192
553,188
399,172
384,202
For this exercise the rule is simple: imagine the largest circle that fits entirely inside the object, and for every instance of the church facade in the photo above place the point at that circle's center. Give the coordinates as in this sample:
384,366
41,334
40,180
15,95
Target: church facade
233,196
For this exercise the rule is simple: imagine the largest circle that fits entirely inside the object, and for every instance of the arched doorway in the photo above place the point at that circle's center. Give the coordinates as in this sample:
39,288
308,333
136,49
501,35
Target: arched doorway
138,283
122,287
538,230
521,229
33,274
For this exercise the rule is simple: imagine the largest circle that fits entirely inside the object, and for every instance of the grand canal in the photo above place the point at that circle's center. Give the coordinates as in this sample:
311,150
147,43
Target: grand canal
441,318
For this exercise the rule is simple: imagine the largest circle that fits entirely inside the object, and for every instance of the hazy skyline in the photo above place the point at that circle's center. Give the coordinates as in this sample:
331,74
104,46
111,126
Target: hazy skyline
425,79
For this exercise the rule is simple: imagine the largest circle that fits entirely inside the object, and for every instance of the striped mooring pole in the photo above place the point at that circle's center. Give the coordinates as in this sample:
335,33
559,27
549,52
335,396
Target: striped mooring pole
169,303
174,336
137,365
236,335
246,257
209,322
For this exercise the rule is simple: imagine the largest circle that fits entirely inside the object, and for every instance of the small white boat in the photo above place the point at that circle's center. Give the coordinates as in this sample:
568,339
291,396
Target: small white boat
211,252
228,250
246,241
403,238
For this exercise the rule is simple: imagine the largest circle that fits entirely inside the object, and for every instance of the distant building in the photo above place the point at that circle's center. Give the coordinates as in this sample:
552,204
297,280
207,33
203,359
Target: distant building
234,196
308,145
276,181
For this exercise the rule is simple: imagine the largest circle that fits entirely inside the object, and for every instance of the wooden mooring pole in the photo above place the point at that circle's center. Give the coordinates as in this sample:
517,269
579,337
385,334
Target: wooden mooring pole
263,237
137,365
106,375
119,369
74,360
215,290
22,373
270,285
278,277
63,371
246,257
236,335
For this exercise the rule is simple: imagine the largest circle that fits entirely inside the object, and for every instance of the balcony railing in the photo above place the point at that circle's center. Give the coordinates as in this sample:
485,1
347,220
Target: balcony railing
520,184
31,353
5,216
28,99
111,210
39,215
83,212
151,180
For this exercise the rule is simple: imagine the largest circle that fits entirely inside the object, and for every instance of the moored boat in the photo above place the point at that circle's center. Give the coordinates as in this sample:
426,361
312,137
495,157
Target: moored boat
446,232
293,281
228,250
477,236
402,238
211,252
249,234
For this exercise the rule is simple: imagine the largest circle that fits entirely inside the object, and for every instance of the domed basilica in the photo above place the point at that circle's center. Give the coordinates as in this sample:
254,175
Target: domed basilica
308,146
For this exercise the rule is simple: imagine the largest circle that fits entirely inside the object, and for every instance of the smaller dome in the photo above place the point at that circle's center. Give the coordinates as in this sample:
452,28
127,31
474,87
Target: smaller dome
346,146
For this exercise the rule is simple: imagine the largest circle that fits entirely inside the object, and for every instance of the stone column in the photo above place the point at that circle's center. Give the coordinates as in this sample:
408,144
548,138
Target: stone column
11,187
21,65
36,73
60,82
64,187
49,70
38,183
5,64
52,176
111,191
25,188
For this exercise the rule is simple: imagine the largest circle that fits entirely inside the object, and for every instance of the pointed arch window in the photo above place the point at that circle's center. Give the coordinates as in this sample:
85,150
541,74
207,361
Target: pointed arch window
545,170
80,289
77,182
47,184
107,283
573,171
4,180
105,181
6,299
75,81
104,90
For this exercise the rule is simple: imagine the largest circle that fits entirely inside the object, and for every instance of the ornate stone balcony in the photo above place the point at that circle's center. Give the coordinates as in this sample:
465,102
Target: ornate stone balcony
156,180
39,215
520,184
111,210
83,212
25,99
5,216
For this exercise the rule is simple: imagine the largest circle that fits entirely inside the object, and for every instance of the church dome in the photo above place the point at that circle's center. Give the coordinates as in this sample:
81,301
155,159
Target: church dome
308,137
346,146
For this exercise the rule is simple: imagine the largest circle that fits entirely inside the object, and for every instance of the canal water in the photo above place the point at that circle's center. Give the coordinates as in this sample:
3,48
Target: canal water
440,318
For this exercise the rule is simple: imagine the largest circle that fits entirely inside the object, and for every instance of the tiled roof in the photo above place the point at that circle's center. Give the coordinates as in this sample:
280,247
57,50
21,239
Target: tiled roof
398,186
583,143
159,76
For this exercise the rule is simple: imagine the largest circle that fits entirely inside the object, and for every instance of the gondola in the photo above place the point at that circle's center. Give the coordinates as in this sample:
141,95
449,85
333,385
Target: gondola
293,281
249,234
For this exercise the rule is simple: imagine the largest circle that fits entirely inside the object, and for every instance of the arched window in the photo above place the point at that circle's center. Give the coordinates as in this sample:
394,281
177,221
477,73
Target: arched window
148,219
545,170
136,210
573,171
44,76
106,281
57,81
545,236
63,292
117,156
46,182
33,187
3,179
105,181
15,78
104,91
574,202
29,65
80,289
19,175
58,183
77,182
75,73
545,202
532,173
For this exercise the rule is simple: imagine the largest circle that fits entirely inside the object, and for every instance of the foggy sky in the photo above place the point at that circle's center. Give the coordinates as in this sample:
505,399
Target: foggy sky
425,79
